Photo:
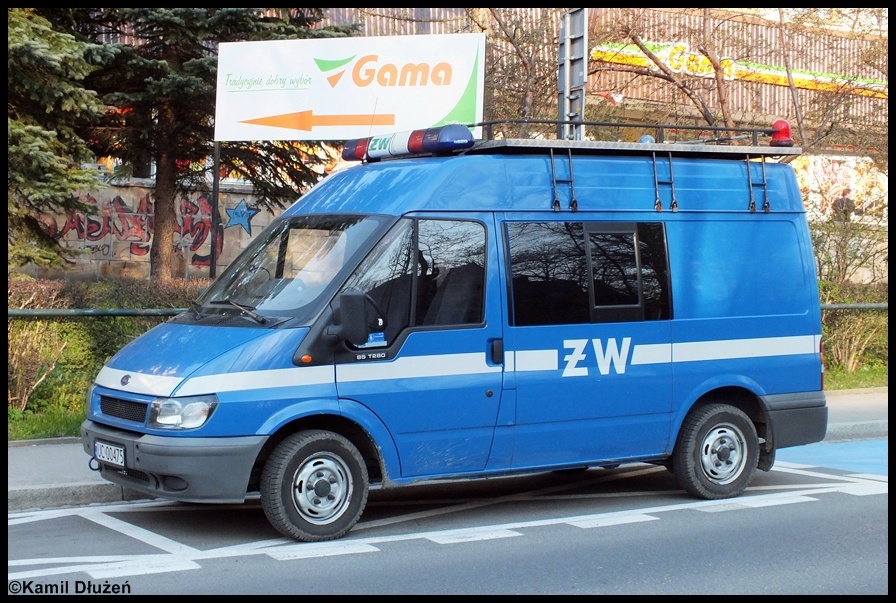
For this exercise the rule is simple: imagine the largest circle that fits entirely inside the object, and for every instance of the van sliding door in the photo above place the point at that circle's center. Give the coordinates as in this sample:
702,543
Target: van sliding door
589,340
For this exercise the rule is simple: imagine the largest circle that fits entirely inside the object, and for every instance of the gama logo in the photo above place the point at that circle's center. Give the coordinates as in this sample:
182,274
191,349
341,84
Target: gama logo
368,71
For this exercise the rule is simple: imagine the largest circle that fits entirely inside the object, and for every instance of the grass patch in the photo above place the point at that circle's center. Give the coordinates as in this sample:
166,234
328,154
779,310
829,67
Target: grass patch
865,376
51,422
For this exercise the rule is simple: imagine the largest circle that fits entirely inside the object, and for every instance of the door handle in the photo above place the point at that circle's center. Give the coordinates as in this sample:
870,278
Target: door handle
497,351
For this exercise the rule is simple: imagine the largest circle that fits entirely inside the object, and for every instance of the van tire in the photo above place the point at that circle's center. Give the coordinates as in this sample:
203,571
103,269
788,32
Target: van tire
717,452
326,508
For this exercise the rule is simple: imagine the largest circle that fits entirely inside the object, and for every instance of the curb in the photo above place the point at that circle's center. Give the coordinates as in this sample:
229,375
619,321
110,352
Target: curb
37,498
861,430
861,390
42,441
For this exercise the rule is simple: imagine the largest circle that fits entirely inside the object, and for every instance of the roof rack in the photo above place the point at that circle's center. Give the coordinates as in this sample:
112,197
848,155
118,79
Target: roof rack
719,141
674,139
663,133
714,141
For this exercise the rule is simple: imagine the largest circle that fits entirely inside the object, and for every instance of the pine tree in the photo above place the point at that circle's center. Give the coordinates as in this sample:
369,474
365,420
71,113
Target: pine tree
162,80
47,105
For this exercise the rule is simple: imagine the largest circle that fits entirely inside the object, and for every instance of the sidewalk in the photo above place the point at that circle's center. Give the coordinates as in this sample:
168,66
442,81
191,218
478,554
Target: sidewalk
49,474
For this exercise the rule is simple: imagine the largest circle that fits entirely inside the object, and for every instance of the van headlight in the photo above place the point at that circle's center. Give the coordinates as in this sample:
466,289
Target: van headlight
181,413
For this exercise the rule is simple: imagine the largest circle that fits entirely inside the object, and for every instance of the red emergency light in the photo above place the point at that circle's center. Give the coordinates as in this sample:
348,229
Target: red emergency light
444,139
781,137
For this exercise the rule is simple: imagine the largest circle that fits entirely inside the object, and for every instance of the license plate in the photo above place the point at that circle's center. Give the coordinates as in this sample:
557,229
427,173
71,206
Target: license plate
107,453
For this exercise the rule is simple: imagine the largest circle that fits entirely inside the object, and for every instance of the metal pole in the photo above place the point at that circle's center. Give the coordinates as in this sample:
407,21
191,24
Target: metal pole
563,97
213,257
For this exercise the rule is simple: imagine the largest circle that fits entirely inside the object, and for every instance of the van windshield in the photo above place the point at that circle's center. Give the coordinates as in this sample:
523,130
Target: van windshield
291,268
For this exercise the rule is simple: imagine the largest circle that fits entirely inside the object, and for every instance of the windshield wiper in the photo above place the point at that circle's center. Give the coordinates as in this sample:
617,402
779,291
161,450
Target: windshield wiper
248,312
196,308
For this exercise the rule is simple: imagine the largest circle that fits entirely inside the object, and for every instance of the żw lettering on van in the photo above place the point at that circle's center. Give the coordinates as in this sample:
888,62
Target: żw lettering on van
613,355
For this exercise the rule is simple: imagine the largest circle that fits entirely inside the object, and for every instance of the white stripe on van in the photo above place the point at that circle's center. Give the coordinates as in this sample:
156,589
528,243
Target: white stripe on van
652,353
536,360
248,380
743,348
664,353
446,365
439,365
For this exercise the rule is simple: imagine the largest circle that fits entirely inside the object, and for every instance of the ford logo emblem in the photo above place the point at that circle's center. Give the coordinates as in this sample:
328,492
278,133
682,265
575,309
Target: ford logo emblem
126,379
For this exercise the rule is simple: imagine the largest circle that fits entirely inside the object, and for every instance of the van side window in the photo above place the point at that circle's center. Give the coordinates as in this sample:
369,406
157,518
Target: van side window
426,272
455,250
571,272
548,268
653,262
629,271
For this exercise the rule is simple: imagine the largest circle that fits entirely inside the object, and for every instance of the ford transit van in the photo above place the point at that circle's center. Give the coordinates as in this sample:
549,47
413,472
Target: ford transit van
452,307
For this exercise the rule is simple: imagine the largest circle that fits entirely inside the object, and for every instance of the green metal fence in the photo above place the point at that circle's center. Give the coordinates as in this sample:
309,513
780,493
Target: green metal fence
60,312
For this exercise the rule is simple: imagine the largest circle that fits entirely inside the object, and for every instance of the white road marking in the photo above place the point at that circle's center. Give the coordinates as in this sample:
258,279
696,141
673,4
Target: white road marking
457,537
137,533
180,557
311,550
618,520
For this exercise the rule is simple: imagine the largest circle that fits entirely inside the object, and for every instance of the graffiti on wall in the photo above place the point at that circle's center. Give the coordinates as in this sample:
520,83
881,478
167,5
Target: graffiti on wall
242,215
114,220
822,178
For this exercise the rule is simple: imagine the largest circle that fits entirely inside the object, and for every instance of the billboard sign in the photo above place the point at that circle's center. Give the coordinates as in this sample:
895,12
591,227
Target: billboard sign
680,58
341,88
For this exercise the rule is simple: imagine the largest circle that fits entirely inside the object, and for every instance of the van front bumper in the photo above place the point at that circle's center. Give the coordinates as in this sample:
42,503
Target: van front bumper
203,470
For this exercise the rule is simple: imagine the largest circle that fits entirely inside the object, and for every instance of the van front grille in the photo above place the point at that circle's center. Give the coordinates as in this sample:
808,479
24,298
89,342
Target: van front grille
123,409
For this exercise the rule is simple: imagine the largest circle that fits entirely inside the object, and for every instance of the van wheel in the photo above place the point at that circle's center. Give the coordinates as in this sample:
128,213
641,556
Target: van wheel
314,486
716,453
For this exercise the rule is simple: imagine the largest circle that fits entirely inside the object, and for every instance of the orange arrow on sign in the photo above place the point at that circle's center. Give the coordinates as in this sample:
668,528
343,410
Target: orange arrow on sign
306,120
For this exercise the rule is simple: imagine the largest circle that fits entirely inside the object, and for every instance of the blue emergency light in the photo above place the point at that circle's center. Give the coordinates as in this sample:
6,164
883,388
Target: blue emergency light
444,139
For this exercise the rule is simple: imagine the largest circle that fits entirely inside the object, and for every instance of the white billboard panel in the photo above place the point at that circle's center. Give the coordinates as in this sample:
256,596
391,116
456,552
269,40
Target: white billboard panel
336,89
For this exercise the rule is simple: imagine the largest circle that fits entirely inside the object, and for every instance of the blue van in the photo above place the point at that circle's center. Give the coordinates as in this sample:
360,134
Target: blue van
452,307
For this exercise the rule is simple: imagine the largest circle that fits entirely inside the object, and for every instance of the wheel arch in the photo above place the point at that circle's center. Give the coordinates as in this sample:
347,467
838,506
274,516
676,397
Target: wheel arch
750,404
360,437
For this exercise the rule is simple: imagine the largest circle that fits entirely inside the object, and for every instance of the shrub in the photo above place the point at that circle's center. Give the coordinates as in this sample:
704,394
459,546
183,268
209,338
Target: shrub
53,361
34,346
855,337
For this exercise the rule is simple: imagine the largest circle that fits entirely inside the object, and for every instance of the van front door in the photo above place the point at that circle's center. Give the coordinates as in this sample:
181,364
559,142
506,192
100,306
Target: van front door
429,374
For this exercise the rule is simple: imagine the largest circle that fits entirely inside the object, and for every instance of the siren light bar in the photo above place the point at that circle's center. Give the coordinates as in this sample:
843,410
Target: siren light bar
444,139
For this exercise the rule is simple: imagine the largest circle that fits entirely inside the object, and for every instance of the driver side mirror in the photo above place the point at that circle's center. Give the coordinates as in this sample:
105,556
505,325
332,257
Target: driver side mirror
352,320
